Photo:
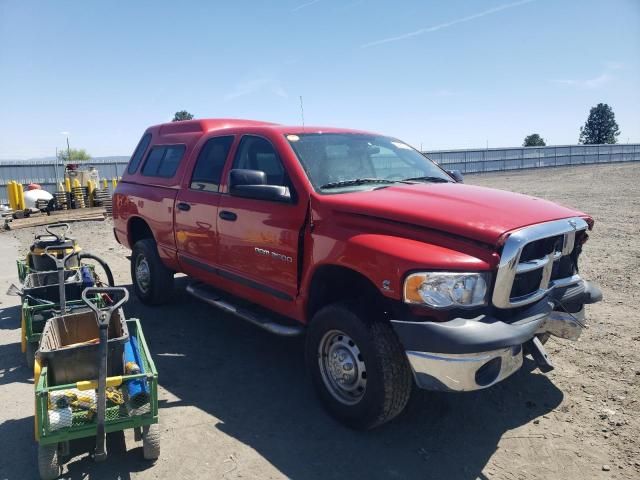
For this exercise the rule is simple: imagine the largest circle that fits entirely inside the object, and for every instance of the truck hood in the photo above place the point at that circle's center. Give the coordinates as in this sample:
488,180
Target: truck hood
478,213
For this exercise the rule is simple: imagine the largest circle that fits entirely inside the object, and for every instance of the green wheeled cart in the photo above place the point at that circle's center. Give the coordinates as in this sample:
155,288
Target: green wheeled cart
71,411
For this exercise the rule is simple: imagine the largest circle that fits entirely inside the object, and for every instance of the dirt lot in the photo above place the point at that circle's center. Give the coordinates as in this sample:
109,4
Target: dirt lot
236,402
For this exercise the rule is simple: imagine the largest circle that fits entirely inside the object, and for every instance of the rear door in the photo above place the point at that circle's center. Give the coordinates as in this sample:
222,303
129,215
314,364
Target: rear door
197,209
258,239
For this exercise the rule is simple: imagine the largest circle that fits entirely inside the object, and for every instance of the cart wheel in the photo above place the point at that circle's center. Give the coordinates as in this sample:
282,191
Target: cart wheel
30,354
151,441
48,462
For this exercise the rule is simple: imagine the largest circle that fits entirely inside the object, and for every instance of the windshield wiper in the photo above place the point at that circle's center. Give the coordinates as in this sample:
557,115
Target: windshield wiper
356,181
428,179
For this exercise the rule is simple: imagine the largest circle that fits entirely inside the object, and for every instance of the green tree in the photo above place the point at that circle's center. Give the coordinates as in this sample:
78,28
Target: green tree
533,140
73,155
182,115
601,126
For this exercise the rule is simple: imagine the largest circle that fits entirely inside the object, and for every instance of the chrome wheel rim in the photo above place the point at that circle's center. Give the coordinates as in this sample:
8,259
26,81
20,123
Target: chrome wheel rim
143,274
342,367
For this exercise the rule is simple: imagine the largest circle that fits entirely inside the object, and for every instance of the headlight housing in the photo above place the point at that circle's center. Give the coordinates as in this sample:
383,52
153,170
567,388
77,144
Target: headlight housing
446,289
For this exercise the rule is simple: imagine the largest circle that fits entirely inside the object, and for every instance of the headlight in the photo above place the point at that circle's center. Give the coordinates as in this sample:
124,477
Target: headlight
446,289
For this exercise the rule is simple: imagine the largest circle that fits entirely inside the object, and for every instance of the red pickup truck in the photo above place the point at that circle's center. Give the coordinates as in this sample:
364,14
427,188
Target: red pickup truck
395,270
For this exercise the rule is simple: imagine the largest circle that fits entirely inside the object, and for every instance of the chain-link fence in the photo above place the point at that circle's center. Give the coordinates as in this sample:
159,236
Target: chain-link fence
46,173
498,159
467,161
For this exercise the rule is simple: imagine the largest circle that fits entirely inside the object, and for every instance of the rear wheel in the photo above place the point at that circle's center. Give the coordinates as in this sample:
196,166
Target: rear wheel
358,366
151,441
48,465
152,281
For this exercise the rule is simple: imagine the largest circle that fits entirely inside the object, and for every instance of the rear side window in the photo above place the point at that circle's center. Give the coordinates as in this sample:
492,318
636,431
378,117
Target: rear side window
134,163
163,161
208,169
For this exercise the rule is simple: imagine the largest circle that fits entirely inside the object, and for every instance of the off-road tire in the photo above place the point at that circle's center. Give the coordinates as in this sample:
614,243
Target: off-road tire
48,465
160,284
151,441
389,378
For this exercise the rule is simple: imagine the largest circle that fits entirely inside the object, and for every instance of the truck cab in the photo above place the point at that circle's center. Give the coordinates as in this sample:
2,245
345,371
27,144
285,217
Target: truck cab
396,271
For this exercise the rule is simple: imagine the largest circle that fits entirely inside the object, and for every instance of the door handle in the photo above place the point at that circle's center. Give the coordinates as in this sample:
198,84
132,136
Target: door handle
185,207
226,215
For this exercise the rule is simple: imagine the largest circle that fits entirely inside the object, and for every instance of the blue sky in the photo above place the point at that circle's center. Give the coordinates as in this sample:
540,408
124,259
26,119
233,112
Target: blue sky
441,74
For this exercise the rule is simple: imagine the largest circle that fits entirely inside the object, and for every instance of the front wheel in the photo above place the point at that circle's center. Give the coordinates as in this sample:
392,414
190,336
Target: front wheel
358,366
152,281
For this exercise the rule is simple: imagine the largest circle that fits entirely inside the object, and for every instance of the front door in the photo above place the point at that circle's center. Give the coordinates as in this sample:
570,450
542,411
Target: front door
258,239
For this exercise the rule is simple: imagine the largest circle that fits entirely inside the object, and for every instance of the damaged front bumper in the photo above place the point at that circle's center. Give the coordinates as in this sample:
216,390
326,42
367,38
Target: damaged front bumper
471,354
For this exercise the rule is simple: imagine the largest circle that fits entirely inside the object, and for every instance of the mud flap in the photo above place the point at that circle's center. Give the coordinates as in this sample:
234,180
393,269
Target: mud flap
535,348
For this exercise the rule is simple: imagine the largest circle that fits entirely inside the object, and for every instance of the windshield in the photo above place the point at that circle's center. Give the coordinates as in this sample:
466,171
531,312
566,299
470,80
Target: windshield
340,162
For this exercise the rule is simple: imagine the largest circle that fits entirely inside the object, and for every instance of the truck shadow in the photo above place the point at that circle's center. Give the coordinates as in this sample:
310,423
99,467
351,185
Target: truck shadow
257,387
13,365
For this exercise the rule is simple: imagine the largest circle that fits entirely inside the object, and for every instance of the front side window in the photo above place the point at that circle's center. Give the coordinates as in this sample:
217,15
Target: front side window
342,162
134,163
210,163
163,161
256,153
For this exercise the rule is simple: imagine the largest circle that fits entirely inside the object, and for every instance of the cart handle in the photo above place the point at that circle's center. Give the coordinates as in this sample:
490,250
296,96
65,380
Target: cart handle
61,237
60,262
104,314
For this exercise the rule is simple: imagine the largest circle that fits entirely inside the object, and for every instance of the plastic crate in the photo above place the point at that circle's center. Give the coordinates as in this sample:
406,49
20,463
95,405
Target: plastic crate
64,347
45,286
131,414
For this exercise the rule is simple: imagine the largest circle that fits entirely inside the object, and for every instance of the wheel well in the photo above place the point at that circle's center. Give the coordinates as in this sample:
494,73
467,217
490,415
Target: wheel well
332,283
138,230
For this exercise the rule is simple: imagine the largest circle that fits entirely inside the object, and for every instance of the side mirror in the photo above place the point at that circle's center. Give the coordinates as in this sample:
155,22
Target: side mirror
252,184
457,175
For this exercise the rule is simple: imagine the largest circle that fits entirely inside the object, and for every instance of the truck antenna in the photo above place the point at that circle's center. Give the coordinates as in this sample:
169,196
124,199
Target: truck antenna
302,111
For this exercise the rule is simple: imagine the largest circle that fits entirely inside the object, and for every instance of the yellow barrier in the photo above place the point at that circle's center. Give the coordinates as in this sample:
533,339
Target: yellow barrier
12,195
91,186
21,204
67,185
114,182
105,183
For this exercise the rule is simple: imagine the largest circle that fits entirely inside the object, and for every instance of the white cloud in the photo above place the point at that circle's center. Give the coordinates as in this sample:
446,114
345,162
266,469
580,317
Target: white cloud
440,26
305,5
595,82
443,92
256,85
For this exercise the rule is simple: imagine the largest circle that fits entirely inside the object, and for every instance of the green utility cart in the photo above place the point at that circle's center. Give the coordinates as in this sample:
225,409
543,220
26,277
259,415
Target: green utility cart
55,427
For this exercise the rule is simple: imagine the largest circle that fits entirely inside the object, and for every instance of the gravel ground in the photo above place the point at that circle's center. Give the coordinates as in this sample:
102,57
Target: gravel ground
235,402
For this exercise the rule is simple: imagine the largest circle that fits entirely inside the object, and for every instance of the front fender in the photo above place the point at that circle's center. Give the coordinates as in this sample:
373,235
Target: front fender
386,259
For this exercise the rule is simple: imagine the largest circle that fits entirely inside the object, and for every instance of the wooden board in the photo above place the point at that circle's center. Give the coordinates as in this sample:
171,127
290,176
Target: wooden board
59,216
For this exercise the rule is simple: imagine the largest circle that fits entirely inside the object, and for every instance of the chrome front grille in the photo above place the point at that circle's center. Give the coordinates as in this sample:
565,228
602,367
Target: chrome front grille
523,279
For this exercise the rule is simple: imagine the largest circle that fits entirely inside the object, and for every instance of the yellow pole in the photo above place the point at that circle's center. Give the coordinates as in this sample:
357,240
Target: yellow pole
76,183
21,204
60,187
67,184
105,183
114,182
11,189
90,188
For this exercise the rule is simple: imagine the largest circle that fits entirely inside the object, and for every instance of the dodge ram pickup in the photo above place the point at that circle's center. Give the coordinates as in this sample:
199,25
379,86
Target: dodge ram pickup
395,270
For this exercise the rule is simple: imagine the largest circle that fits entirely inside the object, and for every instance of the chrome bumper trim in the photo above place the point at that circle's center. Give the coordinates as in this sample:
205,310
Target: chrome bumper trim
564,325
459,372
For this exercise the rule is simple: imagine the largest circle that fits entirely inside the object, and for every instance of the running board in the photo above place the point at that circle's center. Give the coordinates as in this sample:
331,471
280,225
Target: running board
213,297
